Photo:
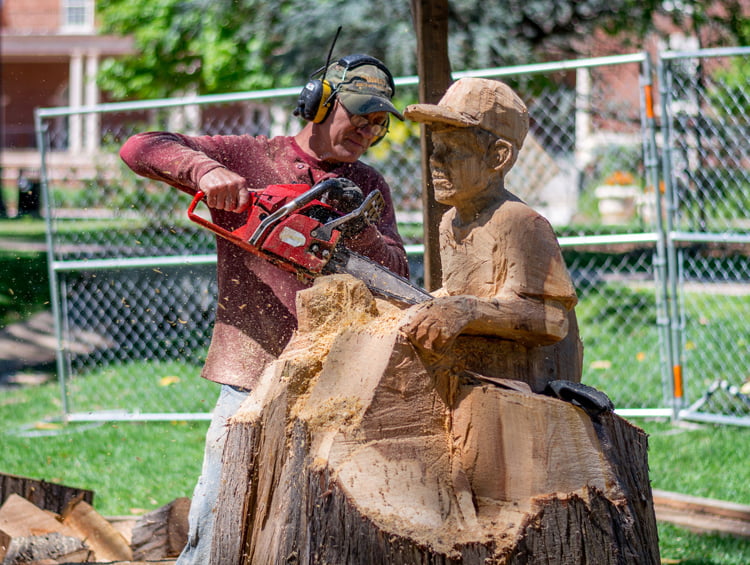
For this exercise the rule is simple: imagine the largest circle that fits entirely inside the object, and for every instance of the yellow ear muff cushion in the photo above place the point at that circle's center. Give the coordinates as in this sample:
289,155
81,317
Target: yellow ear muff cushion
325,102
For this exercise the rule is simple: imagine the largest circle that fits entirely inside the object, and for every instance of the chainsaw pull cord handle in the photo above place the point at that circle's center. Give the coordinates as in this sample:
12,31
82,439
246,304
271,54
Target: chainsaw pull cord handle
290,207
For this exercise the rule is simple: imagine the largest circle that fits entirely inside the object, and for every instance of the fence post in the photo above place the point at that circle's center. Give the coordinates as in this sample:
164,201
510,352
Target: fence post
41,141
651,162
676,376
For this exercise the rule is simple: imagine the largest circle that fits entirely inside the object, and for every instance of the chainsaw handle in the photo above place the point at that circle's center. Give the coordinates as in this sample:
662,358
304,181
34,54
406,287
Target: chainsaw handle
225,233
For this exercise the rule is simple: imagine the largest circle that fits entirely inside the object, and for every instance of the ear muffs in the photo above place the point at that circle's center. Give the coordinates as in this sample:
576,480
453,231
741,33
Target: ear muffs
315,101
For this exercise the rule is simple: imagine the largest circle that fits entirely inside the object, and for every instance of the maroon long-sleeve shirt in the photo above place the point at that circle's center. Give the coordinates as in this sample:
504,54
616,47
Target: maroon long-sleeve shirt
255,315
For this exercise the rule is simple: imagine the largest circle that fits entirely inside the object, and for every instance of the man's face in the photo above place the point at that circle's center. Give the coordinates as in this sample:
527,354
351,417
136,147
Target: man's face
459,164
349,141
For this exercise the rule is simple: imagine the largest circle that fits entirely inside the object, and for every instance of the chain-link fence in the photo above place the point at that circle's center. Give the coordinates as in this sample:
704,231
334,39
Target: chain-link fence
707,172
136,278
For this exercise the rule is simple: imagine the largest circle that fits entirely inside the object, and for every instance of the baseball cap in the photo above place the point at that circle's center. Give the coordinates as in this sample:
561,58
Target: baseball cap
478,102
362,89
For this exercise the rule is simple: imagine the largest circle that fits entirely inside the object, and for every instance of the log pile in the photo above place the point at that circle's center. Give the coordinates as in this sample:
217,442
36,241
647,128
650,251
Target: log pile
51,524
29,534
354,450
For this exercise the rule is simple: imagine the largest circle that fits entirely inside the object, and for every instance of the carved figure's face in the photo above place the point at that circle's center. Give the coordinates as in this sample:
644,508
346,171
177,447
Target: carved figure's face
461,163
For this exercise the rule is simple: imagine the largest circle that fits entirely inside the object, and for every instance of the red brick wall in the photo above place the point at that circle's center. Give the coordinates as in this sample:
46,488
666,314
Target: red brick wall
31,15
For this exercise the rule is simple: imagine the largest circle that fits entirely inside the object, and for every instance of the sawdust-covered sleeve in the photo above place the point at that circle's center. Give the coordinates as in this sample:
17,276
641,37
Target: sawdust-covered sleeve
176,159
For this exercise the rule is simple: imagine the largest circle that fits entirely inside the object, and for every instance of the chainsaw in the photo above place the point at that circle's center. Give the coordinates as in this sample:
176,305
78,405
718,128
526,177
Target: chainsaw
300,229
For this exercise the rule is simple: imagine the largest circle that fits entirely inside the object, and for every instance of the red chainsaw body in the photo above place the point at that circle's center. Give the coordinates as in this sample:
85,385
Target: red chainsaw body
289,242
298,228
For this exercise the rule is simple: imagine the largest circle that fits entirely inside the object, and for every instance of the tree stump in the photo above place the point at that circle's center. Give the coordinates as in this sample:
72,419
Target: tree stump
353,450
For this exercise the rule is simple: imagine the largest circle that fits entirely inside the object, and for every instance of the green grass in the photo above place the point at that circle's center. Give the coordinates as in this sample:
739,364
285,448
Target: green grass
700,460
24,285
132,467
622,343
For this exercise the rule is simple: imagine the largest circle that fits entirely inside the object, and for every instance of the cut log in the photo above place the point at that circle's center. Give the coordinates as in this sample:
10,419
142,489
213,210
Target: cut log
353,450
162,533
106,542
29,534
47,496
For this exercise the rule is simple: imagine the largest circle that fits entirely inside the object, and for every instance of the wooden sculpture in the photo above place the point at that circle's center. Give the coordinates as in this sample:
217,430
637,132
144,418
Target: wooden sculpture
454,431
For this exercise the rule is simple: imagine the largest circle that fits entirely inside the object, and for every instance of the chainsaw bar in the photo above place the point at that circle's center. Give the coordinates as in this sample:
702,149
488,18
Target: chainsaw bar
378,279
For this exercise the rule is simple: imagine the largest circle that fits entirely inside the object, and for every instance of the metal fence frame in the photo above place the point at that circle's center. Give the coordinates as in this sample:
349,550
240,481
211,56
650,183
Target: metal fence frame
675,239
662,237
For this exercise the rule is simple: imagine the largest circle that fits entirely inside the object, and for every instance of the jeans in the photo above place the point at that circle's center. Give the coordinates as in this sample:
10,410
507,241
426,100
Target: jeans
202,515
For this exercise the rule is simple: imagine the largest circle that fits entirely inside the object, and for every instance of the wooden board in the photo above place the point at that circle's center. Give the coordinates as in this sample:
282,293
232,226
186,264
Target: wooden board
30,533
703,515
105,541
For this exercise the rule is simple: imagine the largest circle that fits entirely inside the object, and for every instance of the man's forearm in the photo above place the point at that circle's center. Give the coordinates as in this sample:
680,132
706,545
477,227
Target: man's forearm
167,157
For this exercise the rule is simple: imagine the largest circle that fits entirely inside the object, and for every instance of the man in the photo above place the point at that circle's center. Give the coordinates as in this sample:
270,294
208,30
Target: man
503,272
347,111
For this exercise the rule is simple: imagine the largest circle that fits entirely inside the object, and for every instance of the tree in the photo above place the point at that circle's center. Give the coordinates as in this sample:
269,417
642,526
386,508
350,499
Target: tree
213,46
201,46
210,46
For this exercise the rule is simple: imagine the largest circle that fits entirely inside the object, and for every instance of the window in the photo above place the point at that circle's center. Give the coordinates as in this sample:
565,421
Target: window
78,16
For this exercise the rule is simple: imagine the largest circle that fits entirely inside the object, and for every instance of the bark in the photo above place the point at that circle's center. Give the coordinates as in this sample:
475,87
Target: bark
162,532
47,496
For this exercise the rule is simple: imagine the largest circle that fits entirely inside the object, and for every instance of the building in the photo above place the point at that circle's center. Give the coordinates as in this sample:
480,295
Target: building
50,57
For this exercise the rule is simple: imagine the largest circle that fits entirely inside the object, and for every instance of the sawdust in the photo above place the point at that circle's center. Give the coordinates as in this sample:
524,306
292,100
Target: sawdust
334,304
340,413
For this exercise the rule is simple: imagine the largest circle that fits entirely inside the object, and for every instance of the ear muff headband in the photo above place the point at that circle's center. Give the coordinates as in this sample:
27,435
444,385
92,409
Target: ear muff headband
353,61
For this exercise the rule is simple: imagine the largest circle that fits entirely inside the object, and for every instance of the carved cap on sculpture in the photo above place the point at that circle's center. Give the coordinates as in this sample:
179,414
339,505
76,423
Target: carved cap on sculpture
478,102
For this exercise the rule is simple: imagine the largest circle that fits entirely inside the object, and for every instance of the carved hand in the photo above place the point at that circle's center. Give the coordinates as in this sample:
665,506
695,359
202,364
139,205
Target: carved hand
434,325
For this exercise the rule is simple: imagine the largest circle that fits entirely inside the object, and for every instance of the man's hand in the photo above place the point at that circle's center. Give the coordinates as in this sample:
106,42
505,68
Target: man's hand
225,190
435,325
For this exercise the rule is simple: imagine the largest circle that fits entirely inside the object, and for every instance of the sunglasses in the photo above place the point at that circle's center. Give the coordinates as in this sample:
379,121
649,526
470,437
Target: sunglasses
361,122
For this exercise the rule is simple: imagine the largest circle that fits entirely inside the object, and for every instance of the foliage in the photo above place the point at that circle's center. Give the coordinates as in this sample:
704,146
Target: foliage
207,46
24,286
210,46
714,24
188,46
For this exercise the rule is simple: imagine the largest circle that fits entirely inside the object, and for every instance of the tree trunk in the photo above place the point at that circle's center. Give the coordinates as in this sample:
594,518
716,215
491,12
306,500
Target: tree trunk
353,450
434,69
